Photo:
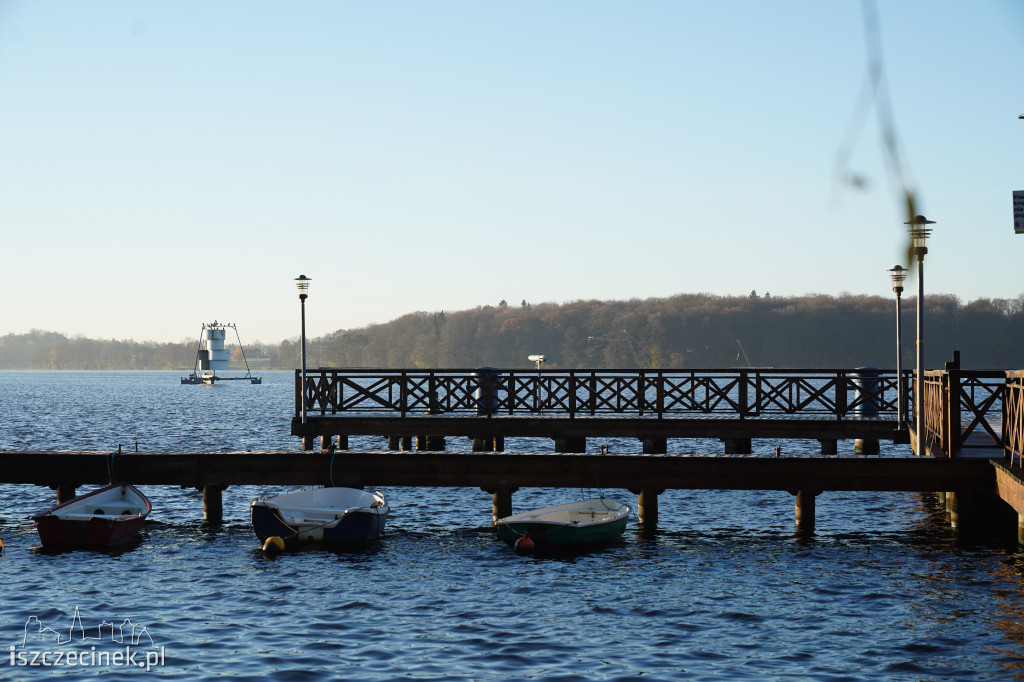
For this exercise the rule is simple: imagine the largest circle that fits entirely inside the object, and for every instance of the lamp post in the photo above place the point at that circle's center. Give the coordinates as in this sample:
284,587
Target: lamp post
919,246
898,274
302,282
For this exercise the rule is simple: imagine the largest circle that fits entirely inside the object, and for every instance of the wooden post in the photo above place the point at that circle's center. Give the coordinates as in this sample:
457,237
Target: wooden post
829,446
959,507
654,446
485,444
1020,528
342,443
737,446
65,493
501,502
308,441
805,510
325,442
866,446
952,425
394,442
213,504
406,443
647,508
431,443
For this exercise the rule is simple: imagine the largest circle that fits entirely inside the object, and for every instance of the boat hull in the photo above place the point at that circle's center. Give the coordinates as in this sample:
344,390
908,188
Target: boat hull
594,522
328,515
102,518
96,532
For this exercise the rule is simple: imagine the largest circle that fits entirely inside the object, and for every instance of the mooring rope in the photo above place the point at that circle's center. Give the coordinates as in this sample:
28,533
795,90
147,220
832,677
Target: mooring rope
4,539
110,464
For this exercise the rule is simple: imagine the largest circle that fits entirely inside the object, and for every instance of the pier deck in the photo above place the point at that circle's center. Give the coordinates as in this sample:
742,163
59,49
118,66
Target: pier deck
502,473
496,469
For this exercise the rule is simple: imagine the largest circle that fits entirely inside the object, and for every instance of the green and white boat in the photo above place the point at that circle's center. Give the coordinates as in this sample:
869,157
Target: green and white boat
592,522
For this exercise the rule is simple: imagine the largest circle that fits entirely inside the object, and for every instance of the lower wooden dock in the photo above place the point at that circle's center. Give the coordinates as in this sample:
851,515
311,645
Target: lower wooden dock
502,473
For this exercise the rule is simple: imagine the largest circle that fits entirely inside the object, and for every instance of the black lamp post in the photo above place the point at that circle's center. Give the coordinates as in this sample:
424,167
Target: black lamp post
919,238
898,274
302,282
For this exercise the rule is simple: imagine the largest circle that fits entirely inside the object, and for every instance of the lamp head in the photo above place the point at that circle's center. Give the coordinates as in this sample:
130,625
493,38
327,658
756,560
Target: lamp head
898,273
302,282
919,234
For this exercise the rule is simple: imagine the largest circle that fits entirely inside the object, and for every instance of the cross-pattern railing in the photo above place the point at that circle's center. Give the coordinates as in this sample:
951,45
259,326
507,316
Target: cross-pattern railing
959,404
739,393
1013,417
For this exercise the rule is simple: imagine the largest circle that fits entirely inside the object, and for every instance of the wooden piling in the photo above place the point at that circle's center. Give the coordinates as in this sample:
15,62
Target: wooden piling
403,443
959,507
829,446
737,446
654,446
866,446
805,500
486,444
213,504
501,502
65,493
431,443
647,508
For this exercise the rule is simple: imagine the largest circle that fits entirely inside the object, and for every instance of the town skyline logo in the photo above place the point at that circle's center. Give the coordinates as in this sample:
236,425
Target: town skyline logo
136,634
107,644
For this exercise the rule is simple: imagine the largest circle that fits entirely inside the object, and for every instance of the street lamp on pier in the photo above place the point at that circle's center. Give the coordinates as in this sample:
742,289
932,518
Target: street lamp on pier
898,274
302,282
919,246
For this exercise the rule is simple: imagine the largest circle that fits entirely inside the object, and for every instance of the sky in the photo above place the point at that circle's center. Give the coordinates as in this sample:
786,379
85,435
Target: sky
168,164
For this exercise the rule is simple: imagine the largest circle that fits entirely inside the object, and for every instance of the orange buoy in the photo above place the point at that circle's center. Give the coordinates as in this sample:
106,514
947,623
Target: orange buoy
524,544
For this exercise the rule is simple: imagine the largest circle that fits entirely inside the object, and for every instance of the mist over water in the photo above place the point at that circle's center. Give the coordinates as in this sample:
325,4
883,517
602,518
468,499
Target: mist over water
725,589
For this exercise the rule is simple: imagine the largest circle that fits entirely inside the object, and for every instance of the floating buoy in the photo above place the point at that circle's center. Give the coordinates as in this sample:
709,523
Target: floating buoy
1,544
524,544
273,544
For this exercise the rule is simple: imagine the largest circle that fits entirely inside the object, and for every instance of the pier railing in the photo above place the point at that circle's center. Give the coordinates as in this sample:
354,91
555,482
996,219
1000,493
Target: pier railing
967,409
740,393
1013,416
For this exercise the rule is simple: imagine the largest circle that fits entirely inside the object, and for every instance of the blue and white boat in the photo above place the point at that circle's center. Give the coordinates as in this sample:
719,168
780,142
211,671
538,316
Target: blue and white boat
329,515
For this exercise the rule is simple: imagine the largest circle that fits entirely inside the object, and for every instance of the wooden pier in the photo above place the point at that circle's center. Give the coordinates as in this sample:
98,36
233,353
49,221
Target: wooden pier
500,473
973,431
488,405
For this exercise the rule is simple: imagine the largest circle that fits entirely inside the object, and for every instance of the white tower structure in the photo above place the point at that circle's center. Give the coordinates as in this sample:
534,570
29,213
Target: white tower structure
212,354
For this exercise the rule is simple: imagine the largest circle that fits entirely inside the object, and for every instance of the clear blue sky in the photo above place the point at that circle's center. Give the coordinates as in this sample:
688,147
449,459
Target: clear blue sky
167,164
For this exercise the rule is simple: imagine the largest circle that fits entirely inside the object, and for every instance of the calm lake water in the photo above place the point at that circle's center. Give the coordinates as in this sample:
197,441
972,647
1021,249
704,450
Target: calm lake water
725,590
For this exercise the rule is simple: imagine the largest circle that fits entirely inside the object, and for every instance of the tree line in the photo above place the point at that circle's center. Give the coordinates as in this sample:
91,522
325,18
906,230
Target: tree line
678,332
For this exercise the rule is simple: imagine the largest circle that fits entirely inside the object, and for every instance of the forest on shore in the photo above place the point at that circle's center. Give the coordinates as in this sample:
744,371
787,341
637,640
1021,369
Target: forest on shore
684,331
